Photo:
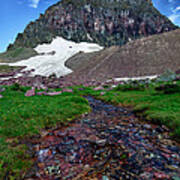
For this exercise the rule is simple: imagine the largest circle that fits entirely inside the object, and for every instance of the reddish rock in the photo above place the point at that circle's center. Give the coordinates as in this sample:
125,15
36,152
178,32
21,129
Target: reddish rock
53,93
160,175
67,90
178,72
102,93
41,93
30,93
98,88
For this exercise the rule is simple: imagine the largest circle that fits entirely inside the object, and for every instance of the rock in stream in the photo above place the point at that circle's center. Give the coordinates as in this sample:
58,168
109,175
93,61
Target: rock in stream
109,143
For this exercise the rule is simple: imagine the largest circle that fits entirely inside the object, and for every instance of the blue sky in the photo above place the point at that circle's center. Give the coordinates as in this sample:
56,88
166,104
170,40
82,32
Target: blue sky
16,14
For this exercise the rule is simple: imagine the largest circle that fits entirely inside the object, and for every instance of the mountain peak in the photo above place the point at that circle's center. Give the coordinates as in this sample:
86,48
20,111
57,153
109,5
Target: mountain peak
105,22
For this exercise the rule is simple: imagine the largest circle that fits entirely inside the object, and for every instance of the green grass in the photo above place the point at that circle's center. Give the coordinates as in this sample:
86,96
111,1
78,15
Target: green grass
6,68
22,116
17,54
150,105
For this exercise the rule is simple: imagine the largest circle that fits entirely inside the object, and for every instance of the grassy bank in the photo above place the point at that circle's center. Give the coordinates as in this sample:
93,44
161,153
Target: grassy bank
22,116
150,104
156,102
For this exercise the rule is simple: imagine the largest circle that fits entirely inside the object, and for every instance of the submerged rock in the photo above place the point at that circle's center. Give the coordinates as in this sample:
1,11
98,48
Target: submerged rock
109,143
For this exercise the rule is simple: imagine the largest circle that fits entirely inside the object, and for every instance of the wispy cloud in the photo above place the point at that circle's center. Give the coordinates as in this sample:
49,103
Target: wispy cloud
34,3
174,14
177,9
175,18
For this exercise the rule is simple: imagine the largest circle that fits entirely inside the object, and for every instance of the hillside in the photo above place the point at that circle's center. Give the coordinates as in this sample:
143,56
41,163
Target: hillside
103,22
146,56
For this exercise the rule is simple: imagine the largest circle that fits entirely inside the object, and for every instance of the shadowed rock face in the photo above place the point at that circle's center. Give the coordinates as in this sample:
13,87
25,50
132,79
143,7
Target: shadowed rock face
106,22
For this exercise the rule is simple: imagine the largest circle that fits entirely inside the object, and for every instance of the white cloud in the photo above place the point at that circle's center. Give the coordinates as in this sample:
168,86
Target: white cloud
34,3
175,18
175,14
177,9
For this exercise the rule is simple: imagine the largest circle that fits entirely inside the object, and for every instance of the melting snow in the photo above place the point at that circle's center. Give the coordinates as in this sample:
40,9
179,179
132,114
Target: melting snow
53,56
136,78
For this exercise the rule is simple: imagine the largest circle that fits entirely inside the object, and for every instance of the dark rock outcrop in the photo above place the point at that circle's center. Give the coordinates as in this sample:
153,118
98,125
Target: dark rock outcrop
106,22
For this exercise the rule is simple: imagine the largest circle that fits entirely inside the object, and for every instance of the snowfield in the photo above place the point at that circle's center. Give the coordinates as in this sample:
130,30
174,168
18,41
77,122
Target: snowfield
53,56
135,78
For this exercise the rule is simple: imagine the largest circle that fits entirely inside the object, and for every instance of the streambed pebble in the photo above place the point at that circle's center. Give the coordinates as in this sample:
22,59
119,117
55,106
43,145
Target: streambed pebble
107,144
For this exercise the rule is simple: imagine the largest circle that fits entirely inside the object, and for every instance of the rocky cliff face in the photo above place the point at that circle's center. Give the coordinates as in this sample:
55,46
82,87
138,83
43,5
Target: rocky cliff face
106,22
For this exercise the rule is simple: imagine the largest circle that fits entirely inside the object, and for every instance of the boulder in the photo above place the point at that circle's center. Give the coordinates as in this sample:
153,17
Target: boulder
102,93
98,88
178,72
41,93
30,93
2,89
67,90
53,93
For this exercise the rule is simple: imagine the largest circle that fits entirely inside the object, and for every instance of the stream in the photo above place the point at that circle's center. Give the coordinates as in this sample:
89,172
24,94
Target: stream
109,143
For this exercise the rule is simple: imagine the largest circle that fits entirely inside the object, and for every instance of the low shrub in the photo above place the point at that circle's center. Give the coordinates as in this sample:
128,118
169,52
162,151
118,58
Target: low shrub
130,87
168,88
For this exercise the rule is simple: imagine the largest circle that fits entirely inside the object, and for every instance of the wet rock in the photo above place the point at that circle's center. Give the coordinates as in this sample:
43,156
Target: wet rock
101,142
159,175
105,178
147,126
43,154
86,167
53,170
109,143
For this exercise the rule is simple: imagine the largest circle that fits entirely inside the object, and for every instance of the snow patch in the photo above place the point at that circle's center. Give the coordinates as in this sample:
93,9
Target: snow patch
135,78
47,62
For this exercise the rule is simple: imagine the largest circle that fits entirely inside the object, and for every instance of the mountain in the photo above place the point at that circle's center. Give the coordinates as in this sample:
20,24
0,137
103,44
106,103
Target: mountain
147,56
151,55
105,22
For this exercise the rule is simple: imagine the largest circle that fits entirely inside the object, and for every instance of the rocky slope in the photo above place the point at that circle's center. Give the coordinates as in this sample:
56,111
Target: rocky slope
147,56
106,22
